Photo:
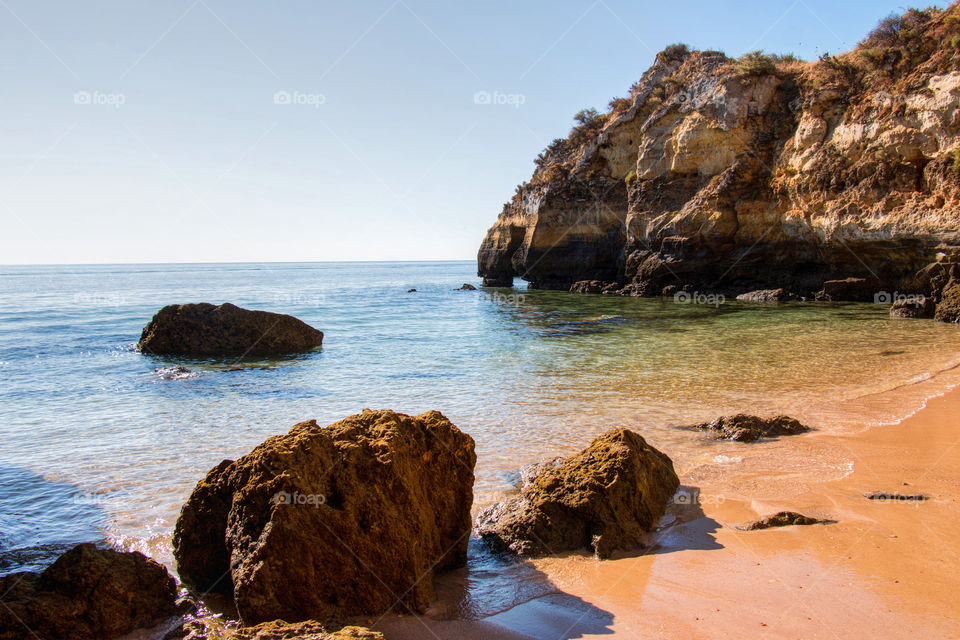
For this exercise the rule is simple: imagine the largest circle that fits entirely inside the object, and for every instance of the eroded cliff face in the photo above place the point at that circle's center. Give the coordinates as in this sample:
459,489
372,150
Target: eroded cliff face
731,175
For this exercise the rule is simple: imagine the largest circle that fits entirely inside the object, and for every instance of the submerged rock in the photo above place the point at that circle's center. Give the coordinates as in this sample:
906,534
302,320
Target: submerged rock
174,373
87,594
949,308
207,330
274,630
467,287
913,307
604,498
343,520
745,428
784,519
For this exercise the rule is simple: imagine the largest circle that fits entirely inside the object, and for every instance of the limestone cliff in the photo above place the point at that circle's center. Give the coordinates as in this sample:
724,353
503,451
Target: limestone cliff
760,172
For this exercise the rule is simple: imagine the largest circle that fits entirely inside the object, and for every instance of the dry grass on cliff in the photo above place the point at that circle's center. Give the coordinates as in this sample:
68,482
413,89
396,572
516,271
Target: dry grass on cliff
901,48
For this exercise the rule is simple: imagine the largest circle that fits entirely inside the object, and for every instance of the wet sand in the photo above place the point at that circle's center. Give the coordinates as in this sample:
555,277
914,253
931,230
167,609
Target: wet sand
884,570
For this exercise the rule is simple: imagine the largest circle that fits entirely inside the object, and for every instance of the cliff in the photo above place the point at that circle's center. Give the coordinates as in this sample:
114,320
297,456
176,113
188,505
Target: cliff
720,174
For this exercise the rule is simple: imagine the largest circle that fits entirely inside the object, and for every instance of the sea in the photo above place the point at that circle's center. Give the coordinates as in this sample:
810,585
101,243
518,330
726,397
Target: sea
99,442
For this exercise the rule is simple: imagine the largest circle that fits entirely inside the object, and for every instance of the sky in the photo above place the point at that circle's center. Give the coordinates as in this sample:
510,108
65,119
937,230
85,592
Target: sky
312,130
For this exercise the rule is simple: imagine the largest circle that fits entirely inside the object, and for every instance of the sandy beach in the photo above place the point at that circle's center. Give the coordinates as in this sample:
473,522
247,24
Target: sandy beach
883,570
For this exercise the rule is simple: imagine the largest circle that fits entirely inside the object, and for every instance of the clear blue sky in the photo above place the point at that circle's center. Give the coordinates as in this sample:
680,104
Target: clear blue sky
139,131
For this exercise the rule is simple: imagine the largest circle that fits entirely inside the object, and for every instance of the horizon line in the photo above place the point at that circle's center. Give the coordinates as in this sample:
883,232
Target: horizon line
124,264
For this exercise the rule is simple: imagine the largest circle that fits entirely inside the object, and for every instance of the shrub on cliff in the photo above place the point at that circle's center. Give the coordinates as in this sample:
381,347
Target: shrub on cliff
755,63
674,53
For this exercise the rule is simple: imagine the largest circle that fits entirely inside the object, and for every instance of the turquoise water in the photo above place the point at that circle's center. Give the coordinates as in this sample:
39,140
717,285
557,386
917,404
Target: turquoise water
99,441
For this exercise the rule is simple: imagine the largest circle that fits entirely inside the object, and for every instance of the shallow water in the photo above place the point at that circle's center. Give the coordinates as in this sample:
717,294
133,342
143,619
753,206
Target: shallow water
101,440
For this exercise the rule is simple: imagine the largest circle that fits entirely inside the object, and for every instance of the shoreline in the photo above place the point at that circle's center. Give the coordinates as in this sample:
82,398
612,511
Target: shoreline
883,567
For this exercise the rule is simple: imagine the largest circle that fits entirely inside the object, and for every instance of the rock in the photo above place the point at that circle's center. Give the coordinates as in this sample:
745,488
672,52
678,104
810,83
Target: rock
913,307
603,498
274,630
207,330
731,179
744,428
88,593
411,290
343,520
883,496
849,290
784,519
949,308
765,295
174,373
587,286
467,287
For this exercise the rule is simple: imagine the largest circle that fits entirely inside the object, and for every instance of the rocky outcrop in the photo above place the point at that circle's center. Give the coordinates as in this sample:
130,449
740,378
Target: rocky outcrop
87,594
948,310
762,172
348,519
784,519
744,428
604,498
275,630
207,330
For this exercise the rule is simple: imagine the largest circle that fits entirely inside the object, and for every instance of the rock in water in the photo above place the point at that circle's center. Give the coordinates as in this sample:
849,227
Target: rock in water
913,307
764,295
88,593
348,519
603,498
467,287
207,330
744,428
588,286
949,308
849,289
784,519
275,630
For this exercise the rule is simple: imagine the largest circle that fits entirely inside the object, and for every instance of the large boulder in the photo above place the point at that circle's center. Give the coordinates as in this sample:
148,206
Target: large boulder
207,330
949,308
604,498
87,594
746,428
348,519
